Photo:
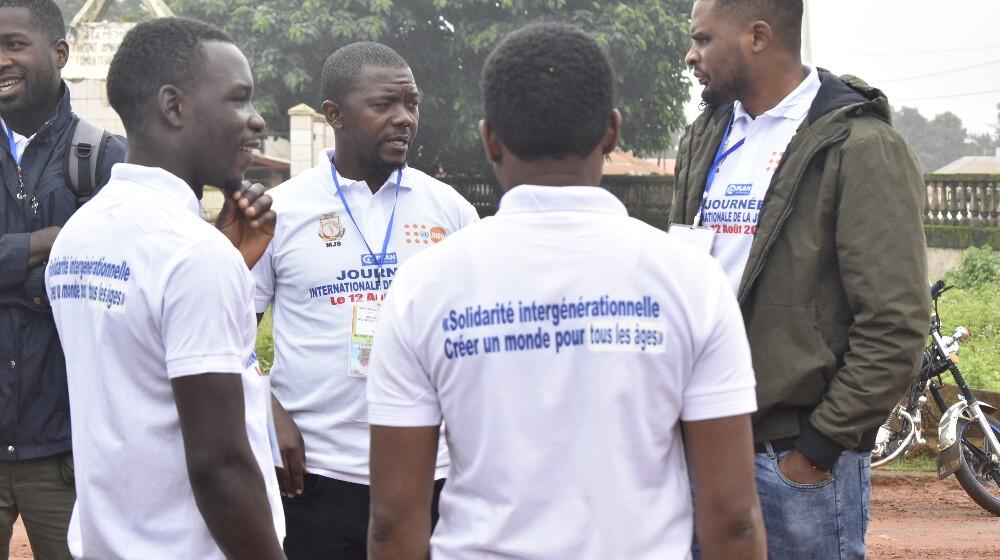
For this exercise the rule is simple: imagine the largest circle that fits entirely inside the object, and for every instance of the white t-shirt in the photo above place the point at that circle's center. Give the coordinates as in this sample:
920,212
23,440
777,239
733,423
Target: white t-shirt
315,270
144,291
736,198
562,343
20,142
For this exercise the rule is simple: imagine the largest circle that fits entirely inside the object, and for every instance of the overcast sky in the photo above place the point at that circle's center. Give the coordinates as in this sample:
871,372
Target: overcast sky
917,51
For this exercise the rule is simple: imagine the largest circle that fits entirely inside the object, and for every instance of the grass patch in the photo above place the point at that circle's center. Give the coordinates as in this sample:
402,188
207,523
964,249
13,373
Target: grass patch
978,309
921,461
265,342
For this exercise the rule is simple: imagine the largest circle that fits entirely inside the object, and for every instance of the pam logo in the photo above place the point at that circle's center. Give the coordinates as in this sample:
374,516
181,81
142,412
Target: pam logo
739,189
372,260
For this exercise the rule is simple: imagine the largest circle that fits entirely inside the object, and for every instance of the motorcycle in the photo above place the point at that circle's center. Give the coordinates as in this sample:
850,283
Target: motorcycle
968,438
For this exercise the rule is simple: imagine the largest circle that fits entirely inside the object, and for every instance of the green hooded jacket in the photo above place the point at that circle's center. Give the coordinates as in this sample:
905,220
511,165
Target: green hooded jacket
835,295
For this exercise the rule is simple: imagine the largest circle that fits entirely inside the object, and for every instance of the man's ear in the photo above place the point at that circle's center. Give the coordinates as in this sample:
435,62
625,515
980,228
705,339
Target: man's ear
62,53
331,111
168,103
762,35
612,134
492,146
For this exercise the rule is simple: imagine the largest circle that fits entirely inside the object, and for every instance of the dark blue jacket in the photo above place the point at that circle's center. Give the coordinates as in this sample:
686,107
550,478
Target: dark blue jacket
34,403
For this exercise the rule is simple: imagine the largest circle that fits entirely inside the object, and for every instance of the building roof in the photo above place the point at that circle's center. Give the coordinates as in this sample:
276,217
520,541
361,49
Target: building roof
972,164
621,162
270,161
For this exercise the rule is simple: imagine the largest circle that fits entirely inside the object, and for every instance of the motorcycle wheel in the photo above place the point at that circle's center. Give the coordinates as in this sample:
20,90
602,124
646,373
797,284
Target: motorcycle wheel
979,477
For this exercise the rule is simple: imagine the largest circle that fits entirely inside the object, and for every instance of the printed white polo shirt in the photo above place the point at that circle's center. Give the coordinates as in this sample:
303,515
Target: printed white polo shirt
562,343
322,281
144,291
736,198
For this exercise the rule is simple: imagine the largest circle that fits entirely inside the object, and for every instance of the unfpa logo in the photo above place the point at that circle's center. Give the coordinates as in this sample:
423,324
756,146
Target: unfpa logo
739,189
421,234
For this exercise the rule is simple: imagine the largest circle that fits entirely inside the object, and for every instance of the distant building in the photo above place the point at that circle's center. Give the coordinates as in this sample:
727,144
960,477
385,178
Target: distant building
973,164
93,42
621,162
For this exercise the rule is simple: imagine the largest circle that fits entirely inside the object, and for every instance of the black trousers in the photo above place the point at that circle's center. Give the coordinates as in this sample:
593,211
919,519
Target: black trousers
329,521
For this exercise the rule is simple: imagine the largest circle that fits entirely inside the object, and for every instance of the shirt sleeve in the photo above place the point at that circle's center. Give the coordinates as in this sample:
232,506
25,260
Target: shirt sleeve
206,304
400,390
467,213
264,280
722,382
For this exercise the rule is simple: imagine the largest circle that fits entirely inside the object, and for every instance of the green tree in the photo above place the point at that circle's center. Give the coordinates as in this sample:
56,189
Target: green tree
445,43
941,140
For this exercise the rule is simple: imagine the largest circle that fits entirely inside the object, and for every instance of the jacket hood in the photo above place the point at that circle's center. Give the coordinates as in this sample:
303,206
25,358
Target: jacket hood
848,92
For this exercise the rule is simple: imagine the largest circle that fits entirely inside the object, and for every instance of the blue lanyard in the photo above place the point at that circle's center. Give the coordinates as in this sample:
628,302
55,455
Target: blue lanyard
720,155
13,145
379,261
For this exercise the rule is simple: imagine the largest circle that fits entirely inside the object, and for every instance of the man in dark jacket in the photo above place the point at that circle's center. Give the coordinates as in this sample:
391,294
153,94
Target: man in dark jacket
36,472
813,204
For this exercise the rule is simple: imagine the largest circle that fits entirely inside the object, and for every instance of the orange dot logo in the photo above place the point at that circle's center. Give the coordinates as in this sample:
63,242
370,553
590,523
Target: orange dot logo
438,233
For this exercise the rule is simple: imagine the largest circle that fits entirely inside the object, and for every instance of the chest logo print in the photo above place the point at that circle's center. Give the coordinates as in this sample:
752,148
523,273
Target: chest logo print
331,230
775,161
421,234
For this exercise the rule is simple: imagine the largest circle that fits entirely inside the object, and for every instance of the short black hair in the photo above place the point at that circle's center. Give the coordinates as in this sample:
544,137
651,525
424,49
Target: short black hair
548,91
45,16
153,54
784,17
342,68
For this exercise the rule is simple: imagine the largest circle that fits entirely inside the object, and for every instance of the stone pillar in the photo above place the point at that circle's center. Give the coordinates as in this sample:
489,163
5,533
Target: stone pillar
308,135
300,136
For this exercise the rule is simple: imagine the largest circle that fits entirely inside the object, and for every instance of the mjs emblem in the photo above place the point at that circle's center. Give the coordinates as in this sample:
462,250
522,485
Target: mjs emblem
331,231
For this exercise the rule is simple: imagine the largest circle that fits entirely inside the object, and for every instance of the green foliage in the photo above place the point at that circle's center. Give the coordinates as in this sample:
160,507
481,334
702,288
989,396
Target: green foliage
265,342
979,267
978,309
446,43
938,141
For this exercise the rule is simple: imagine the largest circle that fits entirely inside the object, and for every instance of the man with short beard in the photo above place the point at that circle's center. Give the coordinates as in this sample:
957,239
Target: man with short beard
36,123
796,182
343,228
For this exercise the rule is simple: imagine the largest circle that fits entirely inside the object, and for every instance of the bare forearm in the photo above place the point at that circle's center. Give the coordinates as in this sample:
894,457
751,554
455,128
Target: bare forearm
233,501
733,534
40,245
399,537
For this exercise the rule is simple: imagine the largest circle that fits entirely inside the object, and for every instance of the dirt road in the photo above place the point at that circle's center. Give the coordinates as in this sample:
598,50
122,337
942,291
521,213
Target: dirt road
914,517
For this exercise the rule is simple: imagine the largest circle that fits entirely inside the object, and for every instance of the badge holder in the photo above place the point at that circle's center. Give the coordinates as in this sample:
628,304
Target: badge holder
363,322
699,237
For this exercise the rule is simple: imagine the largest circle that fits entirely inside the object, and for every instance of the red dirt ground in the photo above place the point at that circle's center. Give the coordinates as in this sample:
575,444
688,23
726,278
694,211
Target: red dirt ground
914,516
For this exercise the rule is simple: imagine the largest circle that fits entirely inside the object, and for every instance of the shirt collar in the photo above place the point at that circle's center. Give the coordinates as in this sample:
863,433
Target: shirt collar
795,105
534,198
326,156
21,142
159,180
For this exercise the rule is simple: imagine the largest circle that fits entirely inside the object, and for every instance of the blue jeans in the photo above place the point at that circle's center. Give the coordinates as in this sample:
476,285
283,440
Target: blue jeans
824,521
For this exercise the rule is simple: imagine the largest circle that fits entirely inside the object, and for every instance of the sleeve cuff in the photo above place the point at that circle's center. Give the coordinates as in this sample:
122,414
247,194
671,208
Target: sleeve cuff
410,416
34,284
817,447
14,249
208,363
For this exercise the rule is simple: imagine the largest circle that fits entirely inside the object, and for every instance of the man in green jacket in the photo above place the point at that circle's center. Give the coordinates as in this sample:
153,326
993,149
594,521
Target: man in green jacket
797,183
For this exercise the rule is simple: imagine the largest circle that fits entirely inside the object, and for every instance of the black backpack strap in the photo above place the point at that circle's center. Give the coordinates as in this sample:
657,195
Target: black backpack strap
86,150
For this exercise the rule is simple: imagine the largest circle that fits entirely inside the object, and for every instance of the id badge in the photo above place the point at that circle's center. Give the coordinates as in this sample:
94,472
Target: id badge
363,322
699,237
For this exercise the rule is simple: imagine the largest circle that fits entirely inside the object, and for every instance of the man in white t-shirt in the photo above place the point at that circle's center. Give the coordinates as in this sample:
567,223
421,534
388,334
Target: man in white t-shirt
153,308
344,227
589,369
